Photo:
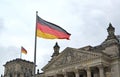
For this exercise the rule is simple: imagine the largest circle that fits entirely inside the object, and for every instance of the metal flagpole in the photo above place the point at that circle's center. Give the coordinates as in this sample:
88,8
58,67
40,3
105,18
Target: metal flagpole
35,45
21,53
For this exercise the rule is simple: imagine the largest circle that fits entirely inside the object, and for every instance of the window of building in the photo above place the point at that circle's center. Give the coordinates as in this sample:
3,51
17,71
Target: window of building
10,75
18,75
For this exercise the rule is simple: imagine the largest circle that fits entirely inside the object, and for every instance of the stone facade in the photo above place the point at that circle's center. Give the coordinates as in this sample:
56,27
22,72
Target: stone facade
18,68
98,61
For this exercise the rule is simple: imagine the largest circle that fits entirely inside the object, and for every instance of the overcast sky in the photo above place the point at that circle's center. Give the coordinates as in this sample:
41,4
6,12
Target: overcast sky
86,20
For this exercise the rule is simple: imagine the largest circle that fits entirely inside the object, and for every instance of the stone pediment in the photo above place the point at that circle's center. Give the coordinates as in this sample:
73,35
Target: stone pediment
70,56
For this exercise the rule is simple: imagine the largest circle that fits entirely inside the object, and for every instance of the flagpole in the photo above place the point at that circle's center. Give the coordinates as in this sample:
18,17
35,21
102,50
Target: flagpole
21,53
35,45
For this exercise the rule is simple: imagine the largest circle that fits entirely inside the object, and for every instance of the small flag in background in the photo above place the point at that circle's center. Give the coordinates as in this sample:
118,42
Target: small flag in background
49,30
23,50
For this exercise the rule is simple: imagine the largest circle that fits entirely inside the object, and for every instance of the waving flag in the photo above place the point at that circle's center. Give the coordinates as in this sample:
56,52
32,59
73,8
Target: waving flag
49,30
23,50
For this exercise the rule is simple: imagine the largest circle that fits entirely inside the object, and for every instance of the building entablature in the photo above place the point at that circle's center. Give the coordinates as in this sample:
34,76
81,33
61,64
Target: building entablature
79,57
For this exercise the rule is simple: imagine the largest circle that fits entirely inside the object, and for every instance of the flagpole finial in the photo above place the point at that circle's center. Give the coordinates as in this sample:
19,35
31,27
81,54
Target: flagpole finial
36,12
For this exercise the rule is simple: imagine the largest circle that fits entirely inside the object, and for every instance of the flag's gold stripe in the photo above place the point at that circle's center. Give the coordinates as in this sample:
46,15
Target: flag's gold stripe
45,35
23,51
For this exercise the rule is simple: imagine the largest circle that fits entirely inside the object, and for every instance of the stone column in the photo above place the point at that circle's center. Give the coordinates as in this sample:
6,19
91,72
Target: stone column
84,76
55,75
76,73
101,71
65,74
88,72
96,75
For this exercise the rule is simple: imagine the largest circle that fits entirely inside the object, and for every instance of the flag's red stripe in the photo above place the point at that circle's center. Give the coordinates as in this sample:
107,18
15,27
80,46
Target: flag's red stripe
48,30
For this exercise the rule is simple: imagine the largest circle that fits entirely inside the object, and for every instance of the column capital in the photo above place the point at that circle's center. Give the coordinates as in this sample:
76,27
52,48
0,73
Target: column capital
100,66
65,74
76,70
55,75
87,68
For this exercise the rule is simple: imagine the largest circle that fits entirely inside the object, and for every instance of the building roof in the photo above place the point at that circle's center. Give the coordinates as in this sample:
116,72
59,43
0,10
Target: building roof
17,60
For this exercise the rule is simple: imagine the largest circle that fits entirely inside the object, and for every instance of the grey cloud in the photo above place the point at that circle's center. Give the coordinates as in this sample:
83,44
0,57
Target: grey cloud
1,24
87,22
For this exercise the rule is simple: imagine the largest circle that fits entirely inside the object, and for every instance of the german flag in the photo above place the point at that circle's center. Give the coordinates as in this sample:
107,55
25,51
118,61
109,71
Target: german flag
23,50
49,30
